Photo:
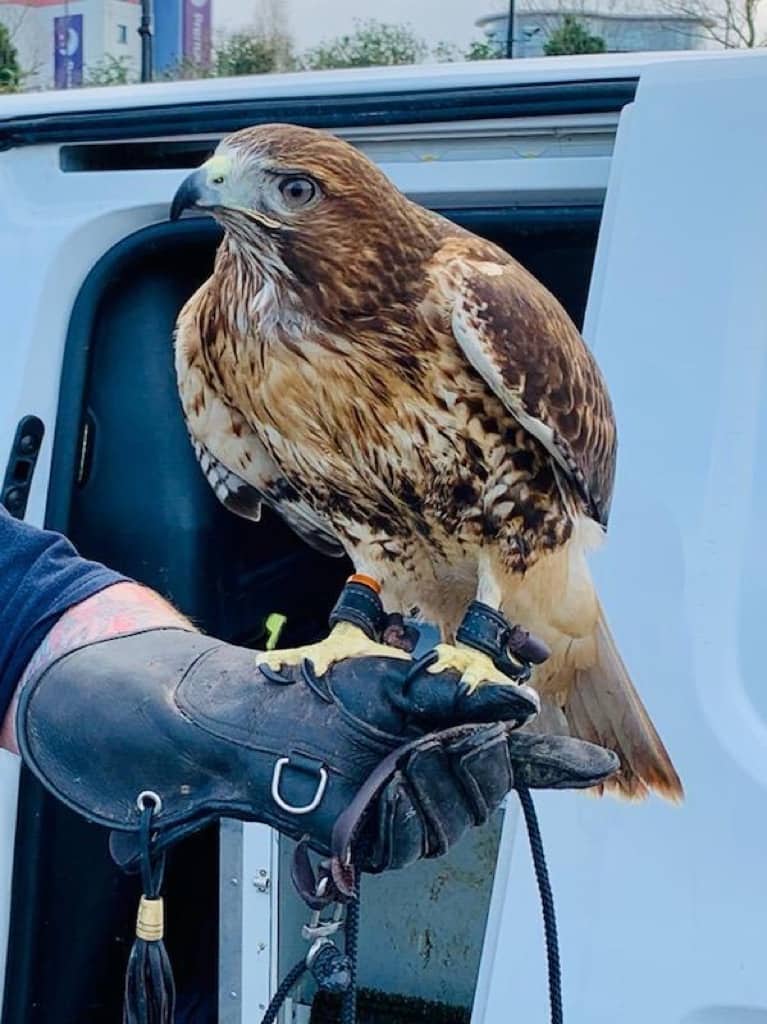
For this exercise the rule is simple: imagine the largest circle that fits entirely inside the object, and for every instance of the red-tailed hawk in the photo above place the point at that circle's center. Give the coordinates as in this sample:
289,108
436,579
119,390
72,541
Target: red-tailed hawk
404,391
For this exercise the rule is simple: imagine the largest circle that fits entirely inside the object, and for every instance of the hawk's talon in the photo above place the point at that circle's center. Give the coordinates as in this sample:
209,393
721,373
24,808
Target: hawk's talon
273,676
476,669
345,641
313,682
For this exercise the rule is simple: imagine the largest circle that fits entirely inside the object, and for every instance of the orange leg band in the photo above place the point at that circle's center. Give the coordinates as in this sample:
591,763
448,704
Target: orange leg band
367,581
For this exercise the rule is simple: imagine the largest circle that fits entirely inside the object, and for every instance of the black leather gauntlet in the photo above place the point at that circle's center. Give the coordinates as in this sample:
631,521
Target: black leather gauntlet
377,754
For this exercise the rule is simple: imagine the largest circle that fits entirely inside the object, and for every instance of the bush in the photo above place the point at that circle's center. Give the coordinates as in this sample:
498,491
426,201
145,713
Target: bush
253,53
484,49
371,44
110,71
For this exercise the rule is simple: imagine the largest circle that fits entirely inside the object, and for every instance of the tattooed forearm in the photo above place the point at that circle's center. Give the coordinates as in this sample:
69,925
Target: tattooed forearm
121,608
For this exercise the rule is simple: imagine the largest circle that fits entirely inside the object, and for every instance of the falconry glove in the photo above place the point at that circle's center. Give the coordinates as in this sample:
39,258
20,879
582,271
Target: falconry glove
377,758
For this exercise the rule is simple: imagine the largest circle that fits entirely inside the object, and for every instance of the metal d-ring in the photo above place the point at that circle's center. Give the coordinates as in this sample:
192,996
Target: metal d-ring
280,763
514,667
148,796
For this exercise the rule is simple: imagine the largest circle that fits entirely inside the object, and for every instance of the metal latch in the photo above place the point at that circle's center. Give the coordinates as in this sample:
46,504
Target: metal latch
21,465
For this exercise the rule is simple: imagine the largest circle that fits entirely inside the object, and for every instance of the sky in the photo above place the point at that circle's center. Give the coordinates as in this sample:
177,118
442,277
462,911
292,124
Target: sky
311,21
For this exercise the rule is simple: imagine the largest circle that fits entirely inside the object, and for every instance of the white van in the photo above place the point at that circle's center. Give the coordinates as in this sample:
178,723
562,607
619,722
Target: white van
635,187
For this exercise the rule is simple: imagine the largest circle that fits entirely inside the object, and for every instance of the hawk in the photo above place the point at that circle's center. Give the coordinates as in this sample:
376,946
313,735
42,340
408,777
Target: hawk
403,391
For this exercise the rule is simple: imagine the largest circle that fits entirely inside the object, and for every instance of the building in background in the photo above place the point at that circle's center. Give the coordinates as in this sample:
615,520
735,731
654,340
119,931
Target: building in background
182,33
621,31
58,41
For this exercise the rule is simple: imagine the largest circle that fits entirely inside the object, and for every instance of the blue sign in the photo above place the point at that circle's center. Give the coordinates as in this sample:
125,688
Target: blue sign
167,35
68,51
182,34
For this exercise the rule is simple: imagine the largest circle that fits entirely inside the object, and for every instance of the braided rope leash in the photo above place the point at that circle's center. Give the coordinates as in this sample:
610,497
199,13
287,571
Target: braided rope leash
547,903
287,985
349,1002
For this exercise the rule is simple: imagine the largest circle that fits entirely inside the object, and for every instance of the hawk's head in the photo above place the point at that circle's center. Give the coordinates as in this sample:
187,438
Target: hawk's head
317,206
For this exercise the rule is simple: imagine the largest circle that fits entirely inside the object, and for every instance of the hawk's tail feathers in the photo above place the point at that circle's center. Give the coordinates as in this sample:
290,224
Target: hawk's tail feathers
604,707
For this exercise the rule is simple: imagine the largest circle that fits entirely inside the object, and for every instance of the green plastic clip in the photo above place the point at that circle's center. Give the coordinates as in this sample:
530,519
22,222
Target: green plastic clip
275,623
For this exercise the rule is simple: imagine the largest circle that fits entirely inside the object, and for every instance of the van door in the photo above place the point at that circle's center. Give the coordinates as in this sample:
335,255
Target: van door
661,908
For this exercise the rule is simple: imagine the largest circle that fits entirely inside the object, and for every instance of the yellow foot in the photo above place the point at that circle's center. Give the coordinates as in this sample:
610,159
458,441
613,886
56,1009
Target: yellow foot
345,641
475,667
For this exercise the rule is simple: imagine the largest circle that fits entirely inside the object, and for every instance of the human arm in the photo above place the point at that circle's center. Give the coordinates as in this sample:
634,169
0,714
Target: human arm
52,600
121,607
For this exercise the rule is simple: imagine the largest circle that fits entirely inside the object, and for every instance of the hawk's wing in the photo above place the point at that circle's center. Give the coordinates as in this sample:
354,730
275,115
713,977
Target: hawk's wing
241,472
521,341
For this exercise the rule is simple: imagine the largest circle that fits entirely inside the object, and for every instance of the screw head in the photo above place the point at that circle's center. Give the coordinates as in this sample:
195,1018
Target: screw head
14,498
27,444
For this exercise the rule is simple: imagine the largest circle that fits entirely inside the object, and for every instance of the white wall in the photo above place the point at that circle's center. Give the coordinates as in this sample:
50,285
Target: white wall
118,12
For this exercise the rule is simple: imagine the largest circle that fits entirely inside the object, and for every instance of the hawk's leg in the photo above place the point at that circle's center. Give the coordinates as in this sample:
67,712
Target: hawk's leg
357,621
481,652
344,641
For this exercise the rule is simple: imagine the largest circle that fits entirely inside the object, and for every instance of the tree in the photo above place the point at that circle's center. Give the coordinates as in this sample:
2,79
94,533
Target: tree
572,37
732,24
10,71
371,44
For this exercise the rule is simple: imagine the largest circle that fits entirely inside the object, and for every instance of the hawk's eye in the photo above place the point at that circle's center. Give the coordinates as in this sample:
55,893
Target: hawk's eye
298,191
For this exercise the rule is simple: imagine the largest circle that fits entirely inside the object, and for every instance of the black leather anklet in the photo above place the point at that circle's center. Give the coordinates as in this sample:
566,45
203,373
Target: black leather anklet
361,606
511,648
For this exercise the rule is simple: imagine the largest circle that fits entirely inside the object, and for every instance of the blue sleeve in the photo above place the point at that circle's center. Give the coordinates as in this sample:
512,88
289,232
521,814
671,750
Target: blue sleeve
41,576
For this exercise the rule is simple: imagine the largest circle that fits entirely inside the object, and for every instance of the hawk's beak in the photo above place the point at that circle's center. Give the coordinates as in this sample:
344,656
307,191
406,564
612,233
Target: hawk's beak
194,192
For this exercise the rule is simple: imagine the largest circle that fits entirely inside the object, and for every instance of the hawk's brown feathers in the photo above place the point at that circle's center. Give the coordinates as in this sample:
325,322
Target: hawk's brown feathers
556,391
